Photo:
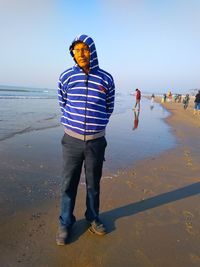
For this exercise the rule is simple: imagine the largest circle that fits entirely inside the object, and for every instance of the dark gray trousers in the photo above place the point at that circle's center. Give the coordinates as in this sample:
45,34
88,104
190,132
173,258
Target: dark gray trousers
75,153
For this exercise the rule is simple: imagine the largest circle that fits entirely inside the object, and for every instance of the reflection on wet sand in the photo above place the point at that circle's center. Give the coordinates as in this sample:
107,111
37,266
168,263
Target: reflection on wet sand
136,119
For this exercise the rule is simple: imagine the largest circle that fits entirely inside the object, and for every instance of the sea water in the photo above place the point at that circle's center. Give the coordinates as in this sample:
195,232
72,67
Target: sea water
27,109
131,135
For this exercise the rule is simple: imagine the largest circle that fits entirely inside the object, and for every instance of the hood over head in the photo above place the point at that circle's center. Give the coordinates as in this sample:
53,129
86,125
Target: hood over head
90,43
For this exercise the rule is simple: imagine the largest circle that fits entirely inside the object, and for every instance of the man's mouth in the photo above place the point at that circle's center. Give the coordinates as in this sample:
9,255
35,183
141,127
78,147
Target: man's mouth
82,60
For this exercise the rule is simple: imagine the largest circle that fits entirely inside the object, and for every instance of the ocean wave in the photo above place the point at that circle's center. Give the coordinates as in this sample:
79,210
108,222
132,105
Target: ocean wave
27,130
27,90
28,97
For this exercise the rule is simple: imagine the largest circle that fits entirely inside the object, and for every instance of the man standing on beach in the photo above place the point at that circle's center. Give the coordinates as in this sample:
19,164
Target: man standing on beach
86,97
137,98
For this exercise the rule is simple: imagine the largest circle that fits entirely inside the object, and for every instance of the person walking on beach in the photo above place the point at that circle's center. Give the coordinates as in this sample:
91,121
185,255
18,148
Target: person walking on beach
152,101
197,103
137,98
86,97
169,95
164,99
186,100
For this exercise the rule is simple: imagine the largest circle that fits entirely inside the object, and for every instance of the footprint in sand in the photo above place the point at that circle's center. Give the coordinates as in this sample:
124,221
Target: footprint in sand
195,258
130,184
187,154
188,221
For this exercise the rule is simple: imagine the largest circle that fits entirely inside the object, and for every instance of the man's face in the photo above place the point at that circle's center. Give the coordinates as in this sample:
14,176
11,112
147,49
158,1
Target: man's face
82,55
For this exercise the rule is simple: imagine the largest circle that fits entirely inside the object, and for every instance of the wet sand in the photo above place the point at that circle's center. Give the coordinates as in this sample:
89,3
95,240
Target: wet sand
151,210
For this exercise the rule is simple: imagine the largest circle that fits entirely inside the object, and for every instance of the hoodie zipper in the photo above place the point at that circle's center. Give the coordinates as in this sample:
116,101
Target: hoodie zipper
86,84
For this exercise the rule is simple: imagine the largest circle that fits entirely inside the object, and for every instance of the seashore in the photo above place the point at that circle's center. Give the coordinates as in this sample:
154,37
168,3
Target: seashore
151,209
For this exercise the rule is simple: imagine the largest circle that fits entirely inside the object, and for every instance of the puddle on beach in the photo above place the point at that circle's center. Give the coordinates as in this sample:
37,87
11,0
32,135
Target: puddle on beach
135,135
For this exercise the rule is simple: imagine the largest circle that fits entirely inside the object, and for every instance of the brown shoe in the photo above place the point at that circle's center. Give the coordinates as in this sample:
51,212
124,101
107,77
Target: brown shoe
62,236
97,227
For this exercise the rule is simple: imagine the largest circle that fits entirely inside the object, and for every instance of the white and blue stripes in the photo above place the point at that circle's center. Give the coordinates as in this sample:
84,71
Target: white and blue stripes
86,101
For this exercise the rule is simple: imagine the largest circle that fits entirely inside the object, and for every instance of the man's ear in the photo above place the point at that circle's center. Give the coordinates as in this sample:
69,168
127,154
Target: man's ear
71,50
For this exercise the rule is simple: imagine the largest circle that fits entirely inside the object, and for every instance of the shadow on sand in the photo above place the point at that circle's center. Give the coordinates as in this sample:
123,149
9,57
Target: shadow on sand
111,216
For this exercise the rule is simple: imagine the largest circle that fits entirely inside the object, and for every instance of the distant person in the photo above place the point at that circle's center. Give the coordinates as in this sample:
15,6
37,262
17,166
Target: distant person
137,98
152,96
86,98
186,100
152,101
197,103
179,98
175,97
169,95
164,98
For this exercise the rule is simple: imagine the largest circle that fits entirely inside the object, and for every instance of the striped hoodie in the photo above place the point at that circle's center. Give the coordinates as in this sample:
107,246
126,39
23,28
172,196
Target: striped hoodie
86,100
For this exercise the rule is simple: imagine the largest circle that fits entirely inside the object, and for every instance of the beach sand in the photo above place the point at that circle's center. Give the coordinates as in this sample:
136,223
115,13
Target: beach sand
151,210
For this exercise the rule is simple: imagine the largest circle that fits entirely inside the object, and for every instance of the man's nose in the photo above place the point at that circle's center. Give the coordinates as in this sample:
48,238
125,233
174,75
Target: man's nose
82,52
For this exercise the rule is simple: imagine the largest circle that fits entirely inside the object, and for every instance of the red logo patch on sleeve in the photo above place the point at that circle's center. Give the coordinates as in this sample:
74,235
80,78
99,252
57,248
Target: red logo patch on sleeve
102,89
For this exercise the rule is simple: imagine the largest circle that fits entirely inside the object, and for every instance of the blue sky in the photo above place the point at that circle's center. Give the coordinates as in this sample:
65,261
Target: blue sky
153,45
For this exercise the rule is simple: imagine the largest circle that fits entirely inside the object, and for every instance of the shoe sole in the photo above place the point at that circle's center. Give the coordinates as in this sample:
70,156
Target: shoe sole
60,243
